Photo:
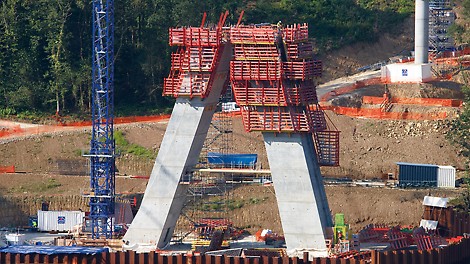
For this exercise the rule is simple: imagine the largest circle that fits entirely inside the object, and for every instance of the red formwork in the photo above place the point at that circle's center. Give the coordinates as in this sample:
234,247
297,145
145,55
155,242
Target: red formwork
273,70
195,36
193,65
277,95
327,145
276,119
301,50
188,84
295,33
255,70
194,59
318,118
267,34
253,35
267,93
256,52
274,93
302,70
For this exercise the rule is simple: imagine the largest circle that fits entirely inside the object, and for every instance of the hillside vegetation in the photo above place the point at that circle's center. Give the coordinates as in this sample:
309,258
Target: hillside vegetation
45,45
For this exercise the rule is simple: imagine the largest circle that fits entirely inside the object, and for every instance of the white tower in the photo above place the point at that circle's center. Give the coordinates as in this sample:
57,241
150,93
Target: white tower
421,31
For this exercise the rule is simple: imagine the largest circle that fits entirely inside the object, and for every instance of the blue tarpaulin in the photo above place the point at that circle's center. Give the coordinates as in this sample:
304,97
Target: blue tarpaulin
228,160
52,250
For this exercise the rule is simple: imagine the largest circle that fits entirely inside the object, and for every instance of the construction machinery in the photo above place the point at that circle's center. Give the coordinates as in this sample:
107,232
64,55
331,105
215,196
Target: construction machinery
102,147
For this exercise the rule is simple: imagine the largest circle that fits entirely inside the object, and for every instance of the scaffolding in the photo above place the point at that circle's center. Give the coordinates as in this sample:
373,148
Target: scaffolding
209,196
441,17
272,76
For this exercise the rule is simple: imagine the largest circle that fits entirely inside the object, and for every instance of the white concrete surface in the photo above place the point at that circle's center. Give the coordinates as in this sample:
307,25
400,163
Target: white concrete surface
179,152
300,194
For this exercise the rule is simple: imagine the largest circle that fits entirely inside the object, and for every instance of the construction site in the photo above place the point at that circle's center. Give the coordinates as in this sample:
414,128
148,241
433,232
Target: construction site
257,162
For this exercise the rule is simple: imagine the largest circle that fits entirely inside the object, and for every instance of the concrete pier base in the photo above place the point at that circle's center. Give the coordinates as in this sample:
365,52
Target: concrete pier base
301,197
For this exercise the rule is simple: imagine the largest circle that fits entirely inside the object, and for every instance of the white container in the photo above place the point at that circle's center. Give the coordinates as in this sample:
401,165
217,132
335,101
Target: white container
60,221
446,177
15,239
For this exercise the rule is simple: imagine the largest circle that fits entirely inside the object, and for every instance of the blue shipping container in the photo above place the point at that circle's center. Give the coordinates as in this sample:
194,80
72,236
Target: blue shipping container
232,160
417,175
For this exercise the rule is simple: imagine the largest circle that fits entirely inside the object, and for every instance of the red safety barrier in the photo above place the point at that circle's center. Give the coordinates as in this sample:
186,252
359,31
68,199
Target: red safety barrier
377,113
415,101
350,88
124,120
7,169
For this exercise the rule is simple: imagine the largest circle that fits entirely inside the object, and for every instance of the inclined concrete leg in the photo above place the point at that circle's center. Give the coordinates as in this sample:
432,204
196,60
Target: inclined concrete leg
179,152
301,197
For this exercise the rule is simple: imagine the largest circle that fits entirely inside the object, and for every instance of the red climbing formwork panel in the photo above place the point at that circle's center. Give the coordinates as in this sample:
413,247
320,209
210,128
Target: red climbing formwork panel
295,33
277,119
272,70
301,50
274,93
302,70
255,70
256,52
267,34
327,146
193,65
194,36
253,35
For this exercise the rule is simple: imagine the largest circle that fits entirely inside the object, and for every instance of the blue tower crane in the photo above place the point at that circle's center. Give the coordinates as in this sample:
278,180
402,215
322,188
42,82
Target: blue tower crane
102,147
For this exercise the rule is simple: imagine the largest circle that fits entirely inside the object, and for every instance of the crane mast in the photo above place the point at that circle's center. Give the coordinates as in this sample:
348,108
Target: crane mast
102,147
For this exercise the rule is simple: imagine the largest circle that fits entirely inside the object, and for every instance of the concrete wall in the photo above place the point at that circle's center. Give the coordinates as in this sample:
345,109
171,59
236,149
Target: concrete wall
407,73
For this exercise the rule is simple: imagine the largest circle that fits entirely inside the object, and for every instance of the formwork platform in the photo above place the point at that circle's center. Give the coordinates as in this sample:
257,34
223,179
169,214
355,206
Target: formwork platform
272,77
192,66
274,93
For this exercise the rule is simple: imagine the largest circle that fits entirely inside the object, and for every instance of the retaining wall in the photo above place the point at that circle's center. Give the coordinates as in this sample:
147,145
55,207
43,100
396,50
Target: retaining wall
453,254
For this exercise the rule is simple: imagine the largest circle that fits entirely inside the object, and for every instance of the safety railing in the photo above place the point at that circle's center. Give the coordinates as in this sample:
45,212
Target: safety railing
271,95
255,70
296,32
302,70
327,145
194,36
187,84
253,35
254,52
276,119
299,50
274,93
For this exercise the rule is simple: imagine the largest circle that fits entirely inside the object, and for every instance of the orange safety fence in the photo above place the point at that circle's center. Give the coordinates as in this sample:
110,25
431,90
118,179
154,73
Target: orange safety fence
10,130
16,130
377,113
350,88
124,120
7,169
414,101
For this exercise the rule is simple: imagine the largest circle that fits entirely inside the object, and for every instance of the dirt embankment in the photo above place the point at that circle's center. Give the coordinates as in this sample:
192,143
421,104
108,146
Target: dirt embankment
369,148
346,61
